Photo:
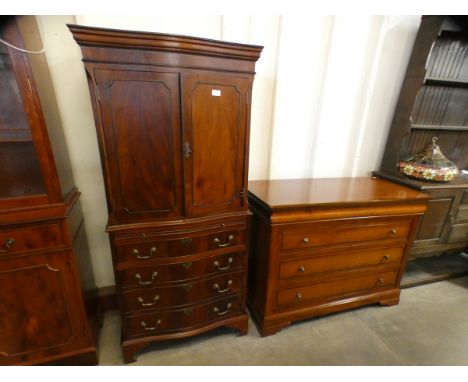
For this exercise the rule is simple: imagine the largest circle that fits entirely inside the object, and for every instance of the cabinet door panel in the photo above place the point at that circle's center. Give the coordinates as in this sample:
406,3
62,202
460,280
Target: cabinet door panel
141,125
434,219
215,122
39,314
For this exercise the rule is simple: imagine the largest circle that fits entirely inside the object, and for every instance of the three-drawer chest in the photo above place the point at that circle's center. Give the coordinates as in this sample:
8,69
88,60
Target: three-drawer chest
324,245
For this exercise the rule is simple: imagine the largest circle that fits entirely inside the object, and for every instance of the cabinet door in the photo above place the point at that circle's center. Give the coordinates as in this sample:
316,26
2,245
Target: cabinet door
214,130
40,309
141,139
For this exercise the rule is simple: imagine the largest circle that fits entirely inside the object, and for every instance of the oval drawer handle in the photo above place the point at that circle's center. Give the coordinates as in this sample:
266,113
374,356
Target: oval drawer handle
299,296
301,269
226,311
8,243
393,231
217,265
380,281
221,245
153,276
149,256
144,325
217,287
143,303
306,240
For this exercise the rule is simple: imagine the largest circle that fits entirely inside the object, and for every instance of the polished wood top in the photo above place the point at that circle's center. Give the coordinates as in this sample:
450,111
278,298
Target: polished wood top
290,193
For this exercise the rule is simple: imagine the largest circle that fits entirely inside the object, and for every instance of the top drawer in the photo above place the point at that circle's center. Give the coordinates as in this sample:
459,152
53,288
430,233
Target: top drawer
342,232
30,238
178,245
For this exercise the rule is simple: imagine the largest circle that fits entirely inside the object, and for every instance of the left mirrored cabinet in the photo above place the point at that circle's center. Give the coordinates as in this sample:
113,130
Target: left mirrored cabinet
44,261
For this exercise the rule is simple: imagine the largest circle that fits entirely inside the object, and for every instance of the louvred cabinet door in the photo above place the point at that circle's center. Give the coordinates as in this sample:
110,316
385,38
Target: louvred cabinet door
214,131
140,114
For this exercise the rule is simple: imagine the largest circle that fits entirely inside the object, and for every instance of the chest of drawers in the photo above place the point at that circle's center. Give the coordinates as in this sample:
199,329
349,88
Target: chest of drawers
180,279
323,245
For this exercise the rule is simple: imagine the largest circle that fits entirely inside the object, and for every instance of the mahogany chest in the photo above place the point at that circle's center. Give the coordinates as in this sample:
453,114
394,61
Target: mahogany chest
324,245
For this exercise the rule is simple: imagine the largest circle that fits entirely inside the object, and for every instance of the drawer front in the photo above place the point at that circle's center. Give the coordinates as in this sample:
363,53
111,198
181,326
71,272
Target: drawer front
462,214
335,289
458,233
181,271
144,249
183,294
340,261
30,238
313,235
182,319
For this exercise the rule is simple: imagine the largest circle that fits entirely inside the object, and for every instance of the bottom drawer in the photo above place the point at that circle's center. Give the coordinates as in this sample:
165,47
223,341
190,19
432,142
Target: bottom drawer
182,319
333,290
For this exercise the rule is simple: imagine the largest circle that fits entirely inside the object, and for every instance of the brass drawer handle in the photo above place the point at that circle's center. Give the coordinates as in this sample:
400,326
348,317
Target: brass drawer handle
143,303
217,265
380,281
149,256
305,240
393,231
217,287
7,244
219,313
299,296
301,269
2,353
153,276
144,325
221,245
386,257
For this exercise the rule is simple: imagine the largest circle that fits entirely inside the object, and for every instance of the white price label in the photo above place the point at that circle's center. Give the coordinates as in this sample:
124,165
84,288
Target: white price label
216,93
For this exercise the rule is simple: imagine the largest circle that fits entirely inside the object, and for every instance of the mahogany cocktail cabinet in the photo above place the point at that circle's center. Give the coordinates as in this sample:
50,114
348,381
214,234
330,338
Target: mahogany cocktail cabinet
172,115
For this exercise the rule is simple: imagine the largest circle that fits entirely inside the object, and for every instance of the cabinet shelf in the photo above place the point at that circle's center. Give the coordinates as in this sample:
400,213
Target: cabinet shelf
440,81
439,127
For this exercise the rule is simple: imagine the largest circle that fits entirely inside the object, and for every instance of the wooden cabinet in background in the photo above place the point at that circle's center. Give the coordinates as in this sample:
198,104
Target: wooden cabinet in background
324,245
43,254
433,102
172,115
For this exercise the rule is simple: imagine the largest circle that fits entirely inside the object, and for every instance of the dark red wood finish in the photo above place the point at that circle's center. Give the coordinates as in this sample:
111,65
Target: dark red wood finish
172,115
43,317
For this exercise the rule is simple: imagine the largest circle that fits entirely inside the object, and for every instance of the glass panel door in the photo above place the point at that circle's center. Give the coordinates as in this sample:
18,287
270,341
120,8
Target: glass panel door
20,174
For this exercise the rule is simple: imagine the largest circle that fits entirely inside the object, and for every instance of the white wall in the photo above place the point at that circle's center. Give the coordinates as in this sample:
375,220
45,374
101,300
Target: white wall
323,99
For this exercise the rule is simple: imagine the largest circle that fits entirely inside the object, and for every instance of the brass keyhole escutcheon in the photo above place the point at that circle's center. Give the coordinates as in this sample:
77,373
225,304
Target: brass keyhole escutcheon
187,241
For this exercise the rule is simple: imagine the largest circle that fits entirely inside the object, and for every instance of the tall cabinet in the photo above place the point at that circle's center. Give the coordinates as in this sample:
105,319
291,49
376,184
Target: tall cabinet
43,255
172,115
433,102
